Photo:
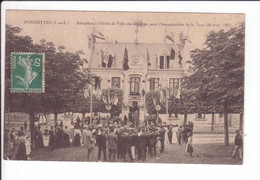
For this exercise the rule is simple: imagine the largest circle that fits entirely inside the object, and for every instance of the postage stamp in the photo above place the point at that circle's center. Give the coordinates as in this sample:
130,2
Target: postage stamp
27,72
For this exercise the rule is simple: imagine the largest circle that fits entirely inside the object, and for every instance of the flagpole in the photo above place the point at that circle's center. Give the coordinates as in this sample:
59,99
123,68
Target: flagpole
91,99
167,104
91,90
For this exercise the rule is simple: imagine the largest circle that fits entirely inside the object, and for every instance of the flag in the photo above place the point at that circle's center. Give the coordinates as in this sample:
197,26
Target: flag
97,83
104,99
161,96
172,55
154,100
104,58
125,60
115,99
180,58
98,94
175,90
178,96
182,40
108,97
110,61
97,34
148,58
86,92
170,37
143,92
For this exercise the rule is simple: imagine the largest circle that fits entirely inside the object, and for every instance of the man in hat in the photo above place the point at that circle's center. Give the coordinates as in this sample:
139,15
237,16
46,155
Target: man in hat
238,145
51,139
12,138
126,145
88,141
101,143
162,138
112,145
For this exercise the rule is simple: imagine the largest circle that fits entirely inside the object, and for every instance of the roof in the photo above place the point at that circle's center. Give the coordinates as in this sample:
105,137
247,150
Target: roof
137,53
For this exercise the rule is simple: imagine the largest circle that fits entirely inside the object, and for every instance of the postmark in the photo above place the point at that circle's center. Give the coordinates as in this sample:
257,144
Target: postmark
27,72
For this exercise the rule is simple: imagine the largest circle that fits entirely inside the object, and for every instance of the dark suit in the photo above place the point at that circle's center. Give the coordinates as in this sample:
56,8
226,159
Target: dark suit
162,135
112,146
126,147
101,142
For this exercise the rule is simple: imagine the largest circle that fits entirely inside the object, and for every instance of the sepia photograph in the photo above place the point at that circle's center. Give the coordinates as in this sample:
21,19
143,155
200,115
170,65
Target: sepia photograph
124,87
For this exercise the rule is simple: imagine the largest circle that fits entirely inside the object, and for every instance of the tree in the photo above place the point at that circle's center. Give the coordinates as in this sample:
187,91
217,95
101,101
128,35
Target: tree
63,78
218,77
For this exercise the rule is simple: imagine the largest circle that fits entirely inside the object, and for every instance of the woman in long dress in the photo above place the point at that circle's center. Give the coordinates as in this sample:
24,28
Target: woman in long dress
39,139
21,153
166,139
66,137
174,135
28,146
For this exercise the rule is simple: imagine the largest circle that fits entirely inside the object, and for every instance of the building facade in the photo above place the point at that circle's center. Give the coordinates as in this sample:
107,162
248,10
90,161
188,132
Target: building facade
136,68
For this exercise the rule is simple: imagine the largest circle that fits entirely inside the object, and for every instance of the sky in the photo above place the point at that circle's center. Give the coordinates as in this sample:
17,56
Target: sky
71,28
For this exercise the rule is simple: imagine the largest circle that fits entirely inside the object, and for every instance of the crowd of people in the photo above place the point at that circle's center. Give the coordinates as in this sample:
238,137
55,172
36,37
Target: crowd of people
117,137
120,139
18,143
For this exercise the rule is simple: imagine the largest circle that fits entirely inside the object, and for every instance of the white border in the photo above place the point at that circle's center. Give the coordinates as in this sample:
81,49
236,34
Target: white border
72,170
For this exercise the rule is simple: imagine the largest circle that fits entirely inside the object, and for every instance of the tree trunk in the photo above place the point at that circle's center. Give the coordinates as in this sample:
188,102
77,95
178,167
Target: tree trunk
241,121
229,120
55,121
226,124
32,129
185,119
212,122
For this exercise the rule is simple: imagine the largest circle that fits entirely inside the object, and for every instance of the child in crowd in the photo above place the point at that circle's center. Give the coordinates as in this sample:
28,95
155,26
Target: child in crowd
189,147
158,147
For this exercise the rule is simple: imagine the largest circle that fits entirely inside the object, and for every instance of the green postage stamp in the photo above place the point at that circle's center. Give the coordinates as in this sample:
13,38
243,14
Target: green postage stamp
27,72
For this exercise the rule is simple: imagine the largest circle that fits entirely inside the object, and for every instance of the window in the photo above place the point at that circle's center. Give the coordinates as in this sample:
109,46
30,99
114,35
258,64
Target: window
154,84
161,62
134,85
201,116
164,63
115,82
174,116
221,115
97,83
174,86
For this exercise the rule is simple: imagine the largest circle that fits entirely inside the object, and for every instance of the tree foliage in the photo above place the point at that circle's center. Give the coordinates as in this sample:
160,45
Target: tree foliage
217,84
218,76
63,77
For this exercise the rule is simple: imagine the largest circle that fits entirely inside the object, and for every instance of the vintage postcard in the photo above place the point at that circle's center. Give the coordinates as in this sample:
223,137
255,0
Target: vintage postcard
143,87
